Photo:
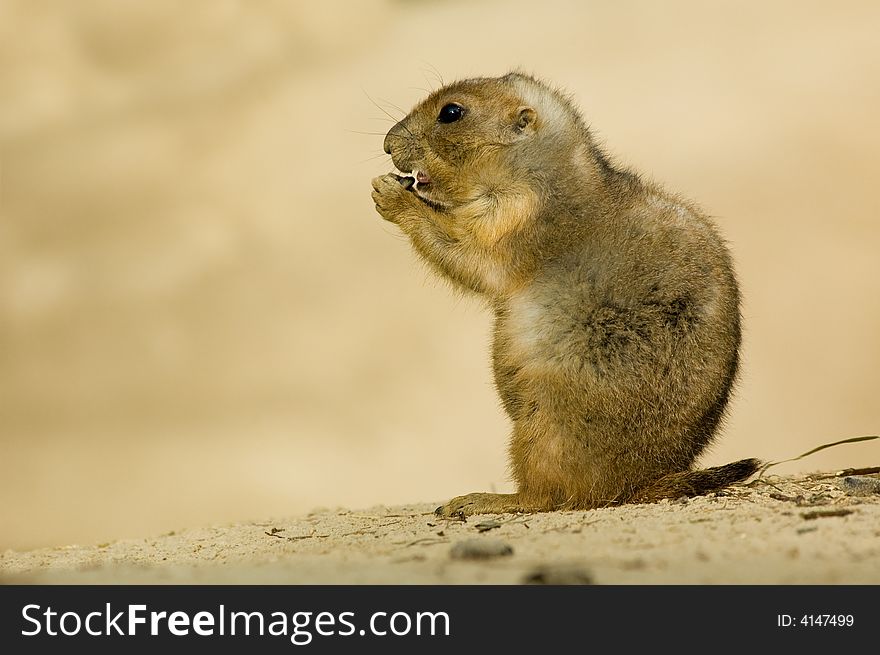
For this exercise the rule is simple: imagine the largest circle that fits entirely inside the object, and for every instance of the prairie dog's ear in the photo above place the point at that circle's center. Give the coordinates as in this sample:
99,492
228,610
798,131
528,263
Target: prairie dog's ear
523,123
525,118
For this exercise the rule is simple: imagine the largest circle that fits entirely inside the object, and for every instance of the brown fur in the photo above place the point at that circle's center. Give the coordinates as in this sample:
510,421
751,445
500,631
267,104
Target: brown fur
616,308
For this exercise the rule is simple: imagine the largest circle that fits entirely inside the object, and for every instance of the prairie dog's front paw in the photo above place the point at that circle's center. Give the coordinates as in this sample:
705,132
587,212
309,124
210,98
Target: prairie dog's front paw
392,195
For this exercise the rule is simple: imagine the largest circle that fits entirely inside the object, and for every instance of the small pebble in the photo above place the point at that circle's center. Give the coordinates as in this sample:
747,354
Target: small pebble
480,549
860,485
559,574
485,526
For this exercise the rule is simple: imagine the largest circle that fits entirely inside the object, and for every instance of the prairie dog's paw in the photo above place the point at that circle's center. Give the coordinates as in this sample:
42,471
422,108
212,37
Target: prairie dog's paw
480,503
392,195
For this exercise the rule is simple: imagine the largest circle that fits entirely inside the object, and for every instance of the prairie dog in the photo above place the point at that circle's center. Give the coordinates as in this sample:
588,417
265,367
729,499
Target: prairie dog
617,323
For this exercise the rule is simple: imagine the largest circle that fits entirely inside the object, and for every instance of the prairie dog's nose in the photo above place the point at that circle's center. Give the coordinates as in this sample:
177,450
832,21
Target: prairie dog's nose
393,133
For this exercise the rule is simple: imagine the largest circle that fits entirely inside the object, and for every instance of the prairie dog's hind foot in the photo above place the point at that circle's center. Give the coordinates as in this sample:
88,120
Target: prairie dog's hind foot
483,503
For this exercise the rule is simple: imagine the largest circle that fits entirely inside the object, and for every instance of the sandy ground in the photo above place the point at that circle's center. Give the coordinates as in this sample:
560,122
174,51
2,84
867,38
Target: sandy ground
806,529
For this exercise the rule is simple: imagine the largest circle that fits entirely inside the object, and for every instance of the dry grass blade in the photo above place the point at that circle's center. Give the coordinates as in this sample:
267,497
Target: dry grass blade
816,450
825,513
869,470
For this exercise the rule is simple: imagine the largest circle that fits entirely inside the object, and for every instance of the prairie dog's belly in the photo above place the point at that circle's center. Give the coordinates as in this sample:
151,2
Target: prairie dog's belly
575,351
529,331
555,330
542,359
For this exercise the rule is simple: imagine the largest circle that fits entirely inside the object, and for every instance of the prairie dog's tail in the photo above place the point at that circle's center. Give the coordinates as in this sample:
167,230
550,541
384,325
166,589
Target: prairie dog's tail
698,483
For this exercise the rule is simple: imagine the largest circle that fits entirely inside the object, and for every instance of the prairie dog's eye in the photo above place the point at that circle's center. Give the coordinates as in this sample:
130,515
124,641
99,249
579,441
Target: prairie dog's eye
450,113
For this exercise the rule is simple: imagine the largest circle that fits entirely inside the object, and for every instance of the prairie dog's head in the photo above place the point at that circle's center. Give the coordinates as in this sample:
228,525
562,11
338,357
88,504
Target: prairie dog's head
474,137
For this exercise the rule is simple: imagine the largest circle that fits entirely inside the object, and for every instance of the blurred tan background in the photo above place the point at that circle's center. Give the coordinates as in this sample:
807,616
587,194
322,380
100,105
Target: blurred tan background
202,319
